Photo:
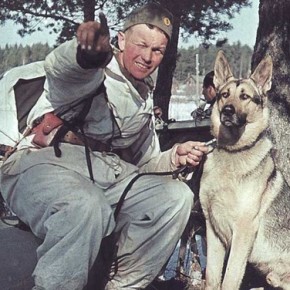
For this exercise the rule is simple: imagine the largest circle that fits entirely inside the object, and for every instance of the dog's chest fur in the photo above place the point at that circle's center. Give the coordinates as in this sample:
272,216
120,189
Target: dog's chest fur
233,187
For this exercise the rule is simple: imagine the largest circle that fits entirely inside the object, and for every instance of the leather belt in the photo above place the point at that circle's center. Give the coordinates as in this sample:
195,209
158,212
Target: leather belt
77,139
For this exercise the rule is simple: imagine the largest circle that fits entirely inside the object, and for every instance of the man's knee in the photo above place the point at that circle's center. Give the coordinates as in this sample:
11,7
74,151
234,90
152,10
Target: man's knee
179,195
80,210
180,191
88,207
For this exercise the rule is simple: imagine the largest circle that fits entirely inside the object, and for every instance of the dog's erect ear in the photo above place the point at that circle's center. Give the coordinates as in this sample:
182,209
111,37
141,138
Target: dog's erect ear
262,75
222,70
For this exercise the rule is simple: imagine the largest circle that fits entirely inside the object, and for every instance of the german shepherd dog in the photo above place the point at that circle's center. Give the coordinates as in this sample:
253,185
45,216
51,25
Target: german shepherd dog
244,198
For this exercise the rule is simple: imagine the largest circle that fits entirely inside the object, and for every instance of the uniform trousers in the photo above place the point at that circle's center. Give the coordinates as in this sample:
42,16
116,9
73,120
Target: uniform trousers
72,215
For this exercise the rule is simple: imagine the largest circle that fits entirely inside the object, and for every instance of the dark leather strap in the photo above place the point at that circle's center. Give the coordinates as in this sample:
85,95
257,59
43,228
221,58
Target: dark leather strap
78,139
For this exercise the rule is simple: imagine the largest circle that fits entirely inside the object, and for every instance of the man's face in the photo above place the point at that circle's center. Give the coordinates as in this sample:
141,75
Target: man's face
142,49
209,93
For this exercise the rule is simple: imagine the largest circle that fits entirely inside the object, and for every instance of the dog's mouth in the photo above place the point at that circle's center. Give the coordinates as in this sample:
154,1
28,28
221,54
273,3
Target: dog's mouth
227,122
233,121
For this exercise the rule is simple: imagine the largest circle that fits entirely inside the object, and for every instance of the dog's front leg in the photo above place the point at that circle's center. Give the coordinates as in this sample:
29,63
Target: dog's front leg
215,259
242,243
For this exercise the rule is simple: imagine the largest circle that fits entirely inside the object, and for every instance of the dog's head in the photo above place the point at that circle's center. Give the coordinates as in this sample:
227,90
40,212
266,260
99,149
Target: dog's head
240,113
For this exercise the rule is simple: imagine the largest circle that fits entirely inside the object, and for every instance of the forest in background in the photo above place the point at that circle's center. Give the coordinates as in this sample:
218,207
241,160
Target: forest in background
16,55
238,54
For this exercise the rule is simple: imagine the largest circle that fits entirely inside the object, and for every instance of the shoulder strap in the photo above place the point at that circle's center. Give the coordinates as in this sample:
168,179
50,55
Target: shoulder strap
77,122
87,103
114,75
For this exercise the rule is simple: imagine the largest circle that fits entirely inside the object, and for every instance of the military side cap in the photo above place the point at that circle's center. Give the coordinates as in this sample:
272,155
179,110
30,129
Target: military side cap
153,14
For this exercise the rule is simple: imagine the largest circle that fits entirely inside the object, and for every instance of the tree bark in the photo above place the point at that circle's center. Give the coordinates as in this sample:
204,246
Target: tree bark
162,92
89,10
273,37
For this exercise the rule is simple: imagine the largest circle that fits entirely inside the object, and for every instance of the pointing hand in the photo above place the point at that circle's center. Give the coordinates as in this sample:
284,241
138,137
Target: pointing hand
94,36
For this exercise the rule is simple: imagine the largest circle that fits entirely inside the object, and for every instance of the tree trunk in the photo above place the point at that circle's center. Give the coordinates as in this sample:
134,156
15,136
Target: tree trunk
89,10
273,37
162,92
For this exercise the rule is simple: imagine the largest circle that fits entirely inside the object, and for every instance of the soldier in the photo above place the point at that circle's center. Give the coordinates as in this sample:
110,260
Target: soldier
67,193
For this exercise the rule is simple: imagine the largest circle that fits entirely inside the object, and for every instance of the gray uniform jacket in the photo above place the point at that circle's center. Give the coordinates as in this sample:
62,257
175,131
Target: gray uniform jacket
66,83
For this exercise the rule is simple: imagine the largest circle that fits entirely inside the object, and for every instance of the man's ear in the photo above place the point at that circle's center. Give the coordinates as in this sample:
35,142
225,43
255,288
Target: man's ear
121,40
212,91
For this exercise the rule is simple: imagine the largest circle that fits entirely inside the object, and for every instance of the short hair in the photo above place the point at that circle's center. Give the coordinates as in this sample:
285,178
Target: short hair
208,80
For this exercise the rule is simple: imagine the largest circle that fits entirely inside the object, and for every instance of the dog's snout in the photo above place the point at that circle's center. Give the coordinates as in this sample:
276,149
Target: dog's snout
228,110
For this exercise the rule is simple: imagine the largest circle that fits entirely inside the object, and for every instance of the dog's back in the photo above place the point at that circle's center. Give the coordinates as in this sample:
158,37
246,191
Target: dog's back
244,198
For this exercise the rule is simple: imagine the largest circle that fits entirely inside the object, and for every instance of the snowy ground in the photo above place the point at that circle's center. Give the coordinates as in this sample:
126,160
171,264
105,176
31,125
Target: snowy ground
180,107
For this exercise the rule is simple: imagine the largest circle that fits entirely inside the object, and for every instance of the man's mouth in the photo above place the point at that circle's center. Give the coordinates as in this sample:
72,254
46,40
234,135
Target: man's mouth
142,66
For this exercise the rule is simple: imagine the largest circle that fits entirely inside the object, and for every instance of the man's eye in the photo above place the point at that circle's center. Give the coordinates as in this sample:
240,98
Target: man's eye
158,51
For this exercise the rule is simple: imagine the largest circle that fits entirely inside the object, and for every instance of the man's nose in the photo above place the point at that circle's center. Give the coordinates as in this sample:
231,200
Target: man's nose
147,54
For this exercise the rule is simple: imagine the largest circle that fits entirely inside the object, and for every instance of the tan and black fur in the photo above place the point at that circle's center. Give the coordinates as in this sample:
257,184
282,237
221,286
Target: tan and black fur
245,199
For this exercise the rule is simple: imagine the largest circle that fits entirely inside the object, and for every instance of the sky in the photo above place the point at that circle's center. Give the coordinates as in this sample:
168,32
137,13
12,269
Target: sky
244,30
245,27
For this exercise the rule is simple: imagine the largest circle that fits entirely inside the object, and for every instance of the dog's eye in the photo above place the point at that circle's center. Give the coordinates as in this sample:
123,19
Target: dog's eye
225,94
244,97
257,100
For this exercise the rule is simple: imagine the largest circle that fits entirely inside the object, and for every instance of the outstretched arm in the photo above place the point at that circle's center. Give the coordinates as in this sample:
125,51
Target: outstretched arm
74,69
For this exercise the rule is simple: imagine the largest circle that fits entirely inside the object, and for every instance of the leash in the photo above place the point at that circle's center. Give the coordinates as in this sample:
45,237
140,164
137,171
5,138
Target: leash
212,143
109,244
181,171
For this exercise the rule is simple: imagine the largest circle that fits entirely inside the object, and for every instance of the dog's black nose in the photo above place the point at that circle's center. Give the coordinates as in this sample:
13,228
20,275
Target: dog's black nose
228,110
